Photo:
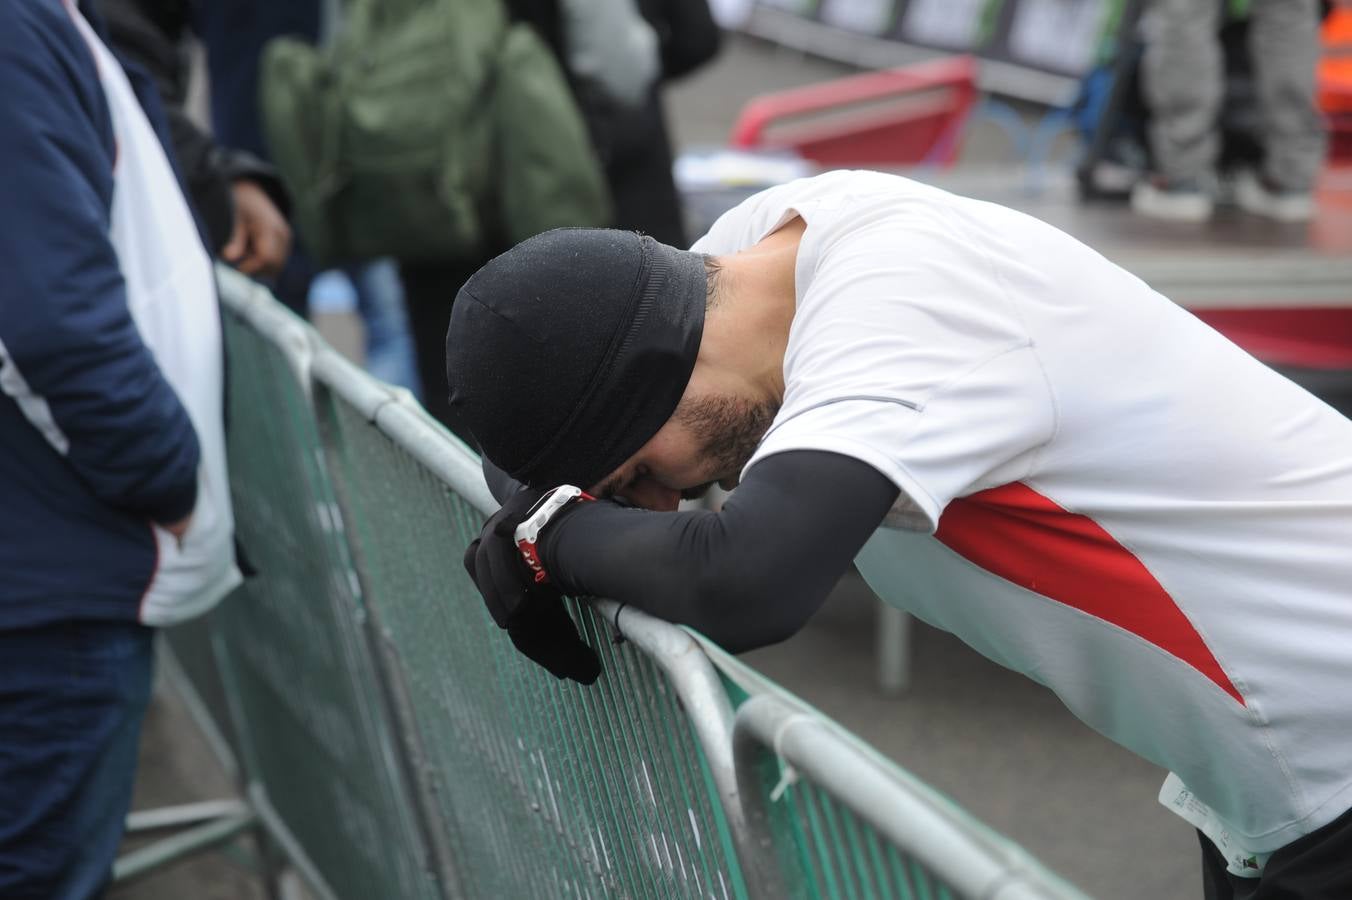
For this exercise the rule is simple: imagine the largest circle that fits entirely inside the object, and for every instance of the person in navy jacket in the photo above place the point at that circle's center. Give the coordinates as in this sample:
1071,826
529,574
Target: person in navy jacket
114,514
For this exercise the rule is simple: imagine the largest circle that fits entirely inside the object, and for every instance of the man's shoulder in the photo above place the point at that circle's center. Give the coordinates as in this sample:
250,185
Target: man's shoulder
37,30
814,197
51,79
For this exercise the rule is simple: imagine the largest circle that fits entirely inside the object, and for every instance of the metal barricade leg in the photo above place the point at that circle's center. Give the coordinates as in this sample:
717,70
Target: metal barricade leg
893,649
211,833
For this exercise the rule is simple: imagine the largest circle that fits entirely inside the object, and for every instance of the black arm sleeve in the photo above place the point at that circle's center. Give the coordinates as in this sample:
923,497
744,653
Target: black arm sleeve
749,575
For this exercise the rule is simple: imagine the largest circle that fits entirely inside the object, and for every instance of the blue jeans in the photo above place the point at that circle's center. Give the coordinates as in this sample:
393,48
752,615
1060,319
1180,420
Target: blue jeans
374,291
72,699
389,346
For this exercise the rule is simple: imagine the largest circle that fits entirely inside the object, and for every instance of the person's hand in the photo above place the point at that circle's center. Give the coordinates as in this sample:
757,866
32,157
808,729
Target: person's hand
532,612
180,528
261,238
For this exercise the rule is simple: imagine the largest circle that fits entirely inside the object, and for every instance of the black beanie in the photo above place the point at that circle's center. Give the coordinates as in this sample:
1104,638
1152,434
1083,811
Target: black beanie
567,353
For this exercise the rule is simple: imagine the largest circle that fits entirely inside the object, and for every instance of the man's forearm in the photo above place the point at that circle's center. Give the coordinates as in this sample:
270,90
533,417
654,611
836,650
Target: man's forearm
747,576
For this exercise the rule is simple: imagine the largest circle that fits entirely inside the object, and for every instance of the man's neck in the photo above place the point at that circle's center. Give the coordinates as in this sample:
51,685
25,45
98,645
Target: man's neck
746,332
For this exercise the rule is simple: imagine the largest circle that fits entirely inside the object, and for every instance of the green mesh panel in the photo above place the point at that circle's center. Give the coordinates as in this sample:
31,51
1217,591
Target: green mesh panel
824,850
191,644
540,788
297,666
846,857
829,853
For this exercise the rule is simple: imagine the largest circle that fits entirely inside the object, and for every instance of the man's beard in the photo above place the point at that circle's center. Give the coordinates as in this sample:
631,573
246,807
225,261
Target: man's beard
727,430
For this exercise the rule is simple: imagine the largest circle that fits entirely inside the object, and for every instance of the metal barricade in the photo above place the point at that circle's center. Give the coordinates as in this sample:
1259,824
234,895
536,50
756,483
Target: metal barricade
841,821
537,788
324,766
188,651
395,745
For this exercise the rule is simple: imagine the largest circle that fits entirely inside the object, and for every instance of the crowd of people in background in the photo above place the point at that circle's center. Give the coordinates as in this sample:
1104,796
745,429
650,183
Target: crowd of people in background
1263,74
617,56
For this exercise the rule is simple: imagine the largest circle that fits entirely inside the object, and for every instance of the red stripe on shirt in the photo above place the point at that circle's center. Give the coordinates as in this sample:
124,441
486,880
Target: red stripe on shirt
1025,538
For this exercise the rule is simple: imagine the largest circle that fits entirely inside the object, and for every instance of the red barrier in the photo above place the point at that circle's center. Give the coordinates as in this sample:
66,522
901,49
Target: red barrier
1335,83
1310,338
894,117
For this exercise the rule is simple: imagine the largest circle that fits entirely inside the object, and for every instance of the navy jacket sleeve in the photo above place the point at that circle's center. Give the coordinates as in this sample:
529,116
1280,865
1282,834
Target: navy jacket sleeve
70,354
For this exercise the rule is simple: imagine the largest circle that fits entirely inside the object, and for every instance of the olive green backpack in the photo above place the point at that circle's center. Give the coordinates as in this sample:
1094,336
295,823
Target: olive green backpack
427,130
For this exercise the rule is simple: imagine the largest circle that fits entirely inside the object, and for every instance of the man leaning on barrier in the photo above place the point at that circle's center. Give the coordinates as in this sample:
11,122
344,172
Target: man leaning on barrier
1014,439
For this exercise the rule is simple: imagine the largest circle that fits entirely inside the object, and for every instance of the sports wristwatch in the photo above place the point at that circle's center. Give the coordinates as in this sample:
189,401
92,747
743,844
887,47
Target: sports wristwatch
545,509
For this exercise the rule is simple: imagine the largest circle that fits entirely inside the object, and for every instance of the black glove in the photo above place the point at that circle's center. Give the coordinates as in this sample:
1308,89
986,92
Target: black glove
533,613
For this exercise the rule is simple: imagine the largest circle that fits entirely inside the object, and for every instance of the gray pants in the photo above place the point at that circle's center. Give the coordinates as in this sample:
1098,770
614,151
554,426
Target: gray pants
1183,81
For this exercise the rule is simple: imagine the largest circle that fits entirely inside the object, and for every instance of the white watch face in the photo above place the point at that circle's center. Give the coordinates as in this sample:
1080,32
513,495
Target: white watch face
544,510
539,504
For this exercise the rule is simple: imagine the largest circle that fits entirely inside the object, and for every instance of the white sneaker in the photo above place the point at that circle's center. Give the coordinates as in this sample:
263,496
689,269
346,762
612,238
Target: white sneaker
1177,201
1254,195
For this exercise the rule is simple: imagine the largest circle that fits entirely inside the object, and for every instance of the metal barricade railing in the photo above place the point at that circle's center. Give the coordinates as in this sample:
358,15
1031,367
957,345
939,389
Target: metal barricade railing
395,745
539,787
842,821
315,735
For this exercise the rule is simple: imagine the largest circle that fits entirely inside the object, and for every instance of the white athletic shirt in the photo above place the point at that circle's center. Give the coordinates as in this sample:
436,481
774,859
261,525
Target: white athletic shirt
1098,490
